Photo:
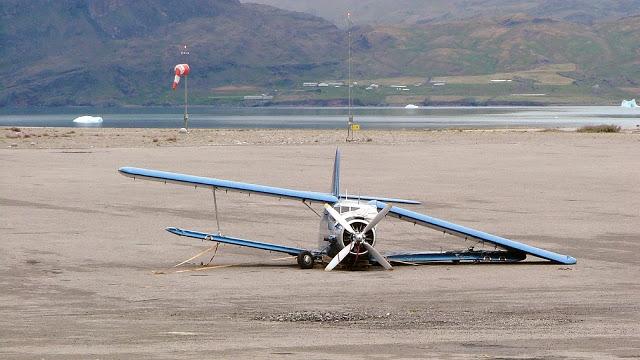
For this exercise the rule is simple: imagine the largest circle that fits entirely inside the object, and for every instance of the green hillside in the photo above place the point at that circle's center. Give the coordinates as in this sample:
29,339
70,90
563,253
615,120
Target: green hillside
108,52
547,62
409,12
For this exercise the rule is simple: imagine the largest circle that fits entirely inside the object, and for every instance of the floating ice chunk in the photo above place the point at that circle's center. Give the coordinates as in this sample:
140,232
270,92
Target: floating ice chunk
88,120
629,103
411,106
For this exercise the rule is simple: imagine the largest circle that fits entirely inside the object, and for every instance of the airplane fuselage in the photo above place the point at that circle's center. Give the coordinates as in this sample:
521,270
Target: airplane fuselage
333,237
348,226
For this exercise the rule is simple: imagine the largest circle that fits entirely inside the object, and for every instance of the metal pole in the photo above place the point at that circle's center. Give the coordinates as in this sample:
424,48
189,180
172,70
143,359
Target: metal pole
215,204
350,120
349,85
186,104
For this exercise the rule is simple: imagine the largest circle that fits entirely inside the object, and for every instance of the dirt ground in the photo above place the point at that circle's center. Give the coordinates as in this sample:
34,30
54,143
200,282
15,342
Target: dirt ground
86,268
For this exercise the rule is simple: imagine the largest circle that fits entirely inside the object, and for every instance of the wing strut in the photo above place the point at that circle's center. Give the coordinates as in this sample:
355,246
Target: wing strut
215,205
240,242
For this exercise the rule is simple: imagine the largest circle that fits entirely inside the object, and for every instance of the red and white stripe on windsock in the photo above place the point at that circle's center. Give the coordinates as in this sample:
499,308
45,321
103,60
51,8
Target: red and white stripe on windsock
181,70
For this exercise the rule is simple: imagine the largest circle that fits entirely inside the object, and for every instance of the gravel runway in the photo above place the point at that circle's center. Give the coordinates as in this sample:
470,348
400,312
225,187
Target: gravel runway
86,268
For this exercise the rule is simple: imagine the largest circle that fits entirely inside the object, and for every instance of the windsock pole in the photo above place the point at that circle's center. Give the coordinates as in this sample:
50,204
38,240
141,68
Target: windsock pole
186,104
182,70
185,52
351,126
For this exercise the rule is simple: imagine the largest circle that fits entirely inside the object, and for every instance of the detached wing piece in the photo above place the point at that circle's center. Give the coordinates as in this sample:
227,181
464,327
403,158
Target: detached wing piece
465,232
196,181
236,241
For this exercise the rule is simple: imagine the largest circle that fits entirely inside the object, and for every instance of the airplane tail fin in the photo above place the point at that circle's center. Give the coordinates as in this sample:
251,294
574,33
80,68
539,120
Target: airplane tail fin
335,184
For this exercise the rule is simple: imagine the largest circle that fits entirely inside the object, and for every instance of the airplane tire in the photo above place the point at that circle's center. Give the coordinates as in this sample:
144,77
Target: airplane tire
305,260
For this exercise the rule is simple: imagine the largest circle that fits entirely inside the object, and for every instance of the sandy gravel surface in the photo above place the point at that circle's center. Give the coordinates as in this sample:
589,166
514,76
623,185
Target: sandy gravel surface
87,138
86,267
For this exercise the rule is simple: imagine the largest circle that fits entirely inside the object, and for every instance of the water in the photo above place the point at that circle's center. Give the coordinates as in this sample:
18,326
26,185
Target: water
329,118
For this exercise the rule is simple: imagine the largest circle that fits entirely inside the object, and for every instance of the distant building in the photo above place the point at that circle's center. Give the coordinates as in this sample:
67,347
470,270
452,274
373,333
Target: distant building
310,84
258,97
323,84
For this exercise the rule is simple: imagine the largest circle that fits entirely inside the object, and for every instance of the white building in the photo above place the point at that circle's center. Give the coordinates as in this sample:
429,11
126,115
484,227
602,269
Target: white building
258,97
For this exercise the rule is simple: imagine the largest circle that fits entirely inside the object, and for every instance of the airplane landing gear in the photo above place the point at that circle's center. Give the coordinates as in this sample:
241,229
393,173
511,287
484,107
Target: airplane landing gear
305,260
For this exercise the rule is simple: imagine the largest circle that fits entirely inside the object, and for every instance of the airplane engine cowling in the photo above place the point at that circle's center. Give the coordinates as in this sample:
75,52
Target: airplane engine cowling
358,225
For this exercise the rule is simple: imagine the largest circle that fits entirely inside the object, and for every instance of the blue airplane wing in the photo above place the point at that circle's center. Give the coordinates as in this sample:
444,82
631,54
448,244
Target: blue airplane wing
196,181
455,256
465,232
379,198
236,241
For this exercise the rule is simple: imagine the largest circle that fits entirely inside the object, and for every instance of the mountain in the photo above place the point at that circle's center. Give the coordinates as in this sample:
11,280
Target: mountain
486,46
73,52
377,12
116,52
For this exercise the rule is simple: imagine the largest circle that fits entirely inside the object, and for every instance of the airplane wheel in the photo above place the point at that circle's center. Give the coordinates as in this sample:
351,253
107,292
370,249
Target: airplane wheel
305,260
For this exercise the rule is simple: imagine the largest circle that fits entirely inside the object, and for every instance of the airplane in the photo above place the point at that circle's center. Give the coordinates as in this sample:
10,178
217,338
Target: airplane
348,226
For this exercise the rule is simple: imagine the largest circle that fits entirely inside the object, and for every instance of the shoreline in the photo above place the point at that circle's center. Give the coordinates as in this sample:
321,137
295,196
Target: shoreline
72,137
322,104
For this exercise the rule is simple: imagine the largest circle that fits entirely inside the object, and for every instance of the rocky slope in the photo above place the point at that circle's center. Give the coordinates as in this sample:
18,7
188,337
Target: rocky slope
417,11
114,52
73,52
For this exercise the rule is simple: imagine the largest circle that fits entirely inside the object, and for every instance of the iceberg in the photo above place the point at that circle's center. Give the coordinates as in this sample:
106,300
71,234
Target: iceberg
411,106
88,120
629,103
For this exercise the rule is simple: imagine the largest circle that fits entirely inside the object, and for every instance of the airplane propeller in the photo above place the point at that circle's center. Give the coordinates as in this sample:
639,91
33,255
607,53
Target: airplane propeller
358,238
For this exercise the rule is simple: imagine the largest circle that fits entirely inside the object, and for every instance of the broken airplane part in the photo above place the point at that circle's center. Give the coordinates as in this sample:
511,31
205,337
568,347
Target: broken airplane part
348,226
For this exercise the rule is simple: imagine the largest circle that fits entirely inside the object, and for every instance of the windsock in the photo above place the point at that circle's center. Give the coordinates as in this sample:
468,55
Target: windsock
181,70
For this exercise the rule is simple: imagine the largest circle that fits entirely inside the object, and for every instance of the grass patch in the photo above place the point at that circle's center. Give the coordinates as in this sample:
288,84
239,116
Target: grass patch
600,129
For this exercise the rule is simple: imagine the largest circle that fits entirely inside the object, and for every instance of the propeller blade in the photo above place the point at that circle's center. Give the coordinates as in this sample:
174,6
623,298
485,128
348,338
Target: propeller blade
379,258
340,256
377,219
339,218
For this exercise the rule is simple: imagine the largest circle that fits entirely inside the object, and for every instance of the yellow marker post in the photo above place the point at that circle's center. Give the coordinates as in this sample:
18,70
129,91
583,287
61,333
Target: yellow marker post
355,127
